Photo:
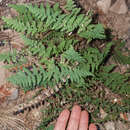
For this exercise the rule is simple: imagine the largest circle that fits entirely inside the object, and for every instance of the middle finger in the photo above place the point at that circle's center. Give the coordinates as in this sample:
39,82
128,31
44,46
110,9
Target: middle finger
74,118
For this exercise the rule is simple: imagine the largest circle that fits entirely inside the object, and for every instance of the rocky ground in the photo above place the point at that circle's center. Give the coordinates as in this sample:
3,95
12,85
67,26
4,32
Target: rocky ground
114,14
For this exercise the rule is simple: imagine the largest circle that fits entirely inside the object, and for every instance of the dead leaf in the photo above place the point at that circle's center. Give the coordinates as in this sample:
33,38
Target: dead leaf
2,99
124,116
4,91
103,113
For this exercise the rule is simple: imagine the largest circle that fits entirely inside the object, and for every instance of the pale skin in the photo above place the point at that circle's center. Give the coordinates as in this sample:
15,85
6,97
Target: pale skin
77,120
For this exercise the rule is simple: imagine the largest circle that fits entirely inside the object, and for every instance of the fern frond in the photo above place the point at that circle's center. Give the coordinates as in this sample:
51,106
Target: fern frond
20,26
72,55
107,49
19,8
5,57
27,79
35,47
52,75
95,58
93,32
9,56
70,5
118,53
53,18
15,24
116,82
55,46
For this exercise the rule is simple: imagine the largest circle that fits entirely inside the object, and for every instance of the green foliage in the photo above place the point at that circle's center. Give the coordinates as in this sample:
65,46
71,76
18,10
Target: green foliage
47,18
118,56
88,98
27,79
51,127
95,58
12,57
42,53
72,55
53,73
93,32
118,83
8,56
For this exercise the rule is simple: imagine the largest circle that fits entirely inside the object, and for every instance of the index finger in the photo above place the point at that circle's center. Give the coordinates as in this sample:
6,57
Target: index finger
62,120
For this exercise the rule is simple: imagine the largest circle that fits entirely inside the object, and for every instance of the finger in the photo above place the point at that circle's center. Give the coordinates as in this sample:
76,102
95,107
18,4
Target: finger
92,127
62,120
83,125
74,118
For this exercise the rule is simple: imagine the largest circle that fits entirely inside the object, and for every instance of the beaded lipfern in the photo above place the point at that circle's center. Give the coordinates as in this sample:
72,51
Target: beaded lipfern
49,39
52,36
34,19
53,73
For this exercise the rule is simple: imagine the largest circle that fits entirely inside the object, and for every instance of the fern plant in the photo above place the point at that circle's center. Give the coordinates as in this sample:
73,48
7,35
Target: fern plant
53,73
13,58
117,82
49,41
47,19
119,56
91,94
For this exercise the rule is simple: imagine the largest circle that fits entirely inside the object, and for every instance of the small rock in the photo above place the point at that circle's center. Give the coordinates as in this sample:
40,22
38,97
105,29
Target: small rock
13,12
103,114
119,7
37,114
104,5
109,125
14,94
124,116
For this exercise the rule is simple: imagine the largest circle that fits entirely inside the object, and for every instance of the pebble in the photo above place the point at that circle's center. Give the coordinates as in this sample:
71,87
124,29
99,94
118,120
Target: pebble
13,12
103,114
37,113
110,125
104,5
14,94
119,7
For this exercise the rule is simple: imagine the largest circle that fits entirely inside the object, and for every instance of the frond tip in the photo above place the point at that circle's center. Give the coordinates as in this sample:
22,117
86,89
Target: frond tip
93,32
72,55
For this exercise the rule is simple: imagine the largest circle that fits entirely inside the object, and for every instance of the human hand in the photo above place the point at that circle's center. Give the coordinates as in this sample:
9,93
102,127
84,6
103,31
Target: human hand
78,120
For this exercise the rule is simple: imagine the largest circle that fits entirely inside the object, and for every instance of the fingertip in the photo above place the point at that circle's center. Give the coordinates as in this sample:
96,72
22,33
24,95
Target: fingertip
92,127
76,108
85,113
84,116
74,118
64,114
65,111
83,121
62,120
